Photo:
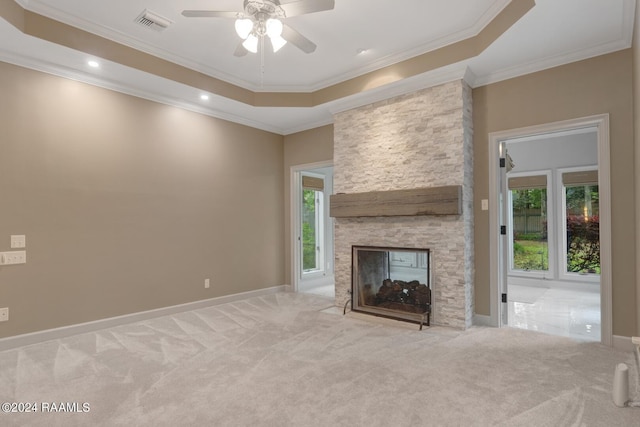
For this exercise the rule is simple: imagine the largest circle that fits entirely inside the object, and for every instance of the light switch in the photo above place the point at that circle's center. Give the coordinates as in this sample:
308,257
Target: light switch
18,241
13,257
485,204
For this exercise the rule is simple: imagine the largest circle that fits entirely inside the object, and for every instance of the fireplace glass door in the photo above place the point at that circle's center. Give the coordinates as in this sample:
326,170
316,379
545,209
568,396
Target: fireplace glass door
392,282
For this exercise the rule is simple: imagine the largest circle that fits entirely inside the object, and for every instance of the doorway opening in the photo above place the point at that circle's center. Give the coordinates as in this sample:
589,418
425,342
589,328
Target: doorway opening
551,215
312,230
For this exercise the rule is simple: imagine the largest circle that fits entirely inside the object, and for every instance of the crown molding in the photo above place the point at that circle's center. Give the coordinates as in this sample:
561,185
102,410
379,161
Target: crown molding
439,76
318,116
124,39
324,118
72,74
550,62
628,21
625,41
404,55
458,71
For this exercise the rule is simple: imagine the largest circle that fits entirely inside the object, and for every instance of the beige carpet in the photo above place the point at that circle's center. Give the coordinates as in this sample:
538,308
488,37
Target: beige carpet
280,361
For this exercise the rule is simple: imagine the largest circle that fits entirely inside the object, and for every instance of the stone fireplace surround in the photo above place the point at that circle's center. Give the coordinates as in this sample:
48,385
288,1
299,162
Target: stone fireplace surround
418,140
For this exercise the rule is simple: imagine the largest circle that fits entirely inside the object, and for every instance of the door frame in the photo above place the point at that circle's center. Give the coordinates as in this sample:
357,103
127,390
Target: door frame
295,177
497,275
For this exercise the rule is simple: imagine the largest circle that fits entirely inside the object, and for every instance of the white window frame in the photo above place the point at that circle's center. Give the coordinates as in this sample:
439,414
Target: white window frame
320,269
298,281
551,238
562,230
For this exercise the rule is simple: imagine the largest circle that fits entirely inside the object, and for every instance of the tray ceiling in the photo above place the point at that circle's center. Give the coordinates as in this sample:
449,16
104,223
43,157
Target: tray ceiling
295,91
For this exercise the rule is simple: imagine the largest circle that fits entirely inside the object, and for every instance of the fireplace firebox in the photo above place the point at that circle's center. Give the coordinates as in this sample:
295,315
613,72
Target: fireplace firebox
392,282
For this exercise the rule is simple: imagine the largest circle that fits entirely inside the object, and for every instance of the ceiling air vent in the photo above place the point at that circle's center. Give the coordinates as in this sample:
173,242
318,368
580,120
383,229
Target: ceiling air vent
153,20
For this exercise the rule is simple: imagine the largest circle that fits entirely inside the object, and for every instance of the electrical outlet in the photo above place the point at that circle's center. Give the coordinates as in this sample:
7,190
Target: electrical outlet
13,257
18,241
206,283
4,314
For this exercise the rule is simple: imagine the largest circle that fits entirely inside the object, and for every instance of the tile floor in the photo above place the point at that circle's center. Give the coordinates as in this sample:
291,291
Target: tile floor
325,291
563,312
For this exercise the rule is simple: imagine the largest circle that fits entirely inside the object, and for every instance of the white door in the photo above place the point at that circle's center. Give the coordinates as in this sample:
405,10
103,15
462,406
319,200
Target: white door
559,265
504,165
313,231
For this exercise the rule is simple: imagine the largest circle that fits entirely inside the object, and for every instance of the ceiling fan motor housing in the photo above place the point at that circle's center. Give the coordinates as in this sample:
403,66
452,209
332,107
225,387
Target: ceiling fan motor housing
263,9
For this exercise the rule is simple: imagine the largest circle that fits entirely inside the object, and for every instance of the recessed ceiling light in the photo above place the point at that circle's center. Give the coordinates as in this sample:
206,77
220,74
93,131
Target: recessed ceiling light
93,64
204,97
361,50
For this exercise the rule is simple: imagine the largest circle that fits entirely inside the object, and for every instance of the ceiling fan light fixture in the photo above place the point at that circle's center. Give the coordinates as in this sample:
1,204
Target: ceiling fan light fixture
260,18
274,27
277,43
251,43
244,26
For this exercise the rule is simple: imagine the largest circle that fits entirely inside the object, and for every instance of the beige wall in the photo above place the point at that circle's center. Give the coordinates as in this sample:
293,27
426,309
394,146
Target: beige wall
595,86
311,146
129,205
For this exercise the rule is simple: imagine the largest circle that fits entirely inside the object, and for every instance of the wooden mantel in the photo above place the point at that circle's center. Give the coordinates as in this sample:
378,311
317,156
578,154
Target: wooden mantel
446,200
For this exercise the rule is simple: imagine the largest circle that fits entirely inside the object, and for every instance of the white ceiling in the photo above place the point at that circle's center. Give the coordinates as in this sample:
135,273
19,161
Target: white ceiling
554,32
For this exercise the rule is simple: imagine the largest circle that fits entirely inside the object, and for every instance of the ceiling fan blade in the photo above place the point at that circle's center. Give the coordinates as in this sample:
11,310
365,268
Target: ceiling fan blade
300,7
240,51
298,40
208,14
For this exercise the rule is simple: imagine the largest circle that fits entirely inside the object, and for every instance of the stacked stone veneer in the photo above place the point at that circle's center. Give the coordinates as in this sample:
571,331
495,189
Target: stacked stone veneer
423,139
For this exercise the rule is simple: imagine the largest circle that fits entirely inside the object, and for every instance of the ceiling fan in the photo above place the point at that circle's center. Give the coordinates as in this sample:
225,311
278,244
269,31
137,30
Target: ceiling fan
262,18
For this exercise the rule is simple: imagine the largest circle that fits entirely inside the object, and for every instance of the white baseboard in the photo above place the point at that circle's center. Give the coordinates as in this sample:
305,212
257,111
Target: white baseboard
80,328
623,343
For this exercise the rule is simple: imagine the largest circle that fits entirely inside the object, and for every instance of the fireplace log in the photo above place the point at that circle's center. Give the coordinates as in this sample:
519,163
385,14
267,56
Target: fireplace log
410,297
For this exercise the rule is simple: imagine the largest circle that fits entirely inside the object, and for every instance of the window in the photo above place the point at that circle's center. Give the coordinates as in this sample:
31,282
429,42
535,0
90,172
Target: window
312,224
582,222
529,239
